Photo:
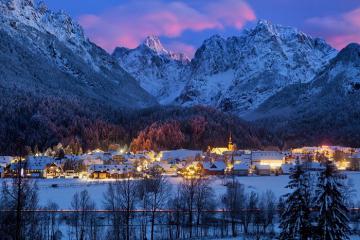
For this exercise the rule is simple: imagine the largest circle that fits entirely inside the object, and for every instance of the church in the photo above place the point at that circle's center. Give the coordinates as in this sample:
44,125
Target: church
231,147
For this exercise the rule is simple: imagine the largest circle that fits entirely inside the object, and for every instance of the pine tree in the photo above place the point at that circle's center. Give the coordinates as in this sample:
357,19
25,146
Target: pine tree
296,219
333,222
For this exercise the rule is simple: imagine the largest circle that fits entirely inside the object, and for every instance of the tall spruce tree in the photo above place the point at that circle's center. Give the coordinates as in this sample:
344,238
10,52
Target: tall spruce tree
296,219
333,222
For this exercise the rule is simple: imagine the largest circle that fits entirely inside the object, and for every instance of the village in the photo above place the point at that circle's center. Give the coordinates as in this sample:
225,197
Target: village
221,161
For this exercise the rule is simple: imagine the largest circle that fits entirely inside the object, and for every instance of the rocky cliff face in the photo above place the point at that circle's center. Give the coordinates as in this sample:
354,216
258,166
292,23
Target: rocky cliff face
157,70
240,73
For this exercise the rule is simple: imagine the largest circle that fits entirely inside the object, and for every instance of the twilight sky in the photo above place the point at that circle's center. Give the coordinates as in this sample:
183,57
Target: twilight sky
182,25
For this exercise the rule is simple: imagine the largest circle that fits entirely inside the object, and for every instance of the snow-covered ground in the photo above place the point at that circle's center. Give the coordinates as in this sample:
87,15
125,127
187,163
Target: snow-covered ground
66,188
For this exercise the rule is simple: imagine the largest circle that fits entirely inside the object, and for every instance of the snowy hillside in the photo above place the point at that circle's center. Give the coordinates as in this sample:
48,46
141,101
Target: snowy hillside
325,109
49,51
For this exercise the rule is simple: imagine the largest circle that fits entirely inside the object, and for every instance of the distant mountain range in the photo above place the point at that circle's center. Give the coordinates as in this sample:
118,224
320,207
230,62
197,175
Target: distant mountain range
235,75
276,77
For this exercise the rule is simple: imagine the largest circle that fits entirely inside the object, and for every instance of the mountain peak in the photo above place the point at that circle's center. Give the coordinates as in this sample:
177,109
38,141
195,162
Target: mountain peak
154,43
351,53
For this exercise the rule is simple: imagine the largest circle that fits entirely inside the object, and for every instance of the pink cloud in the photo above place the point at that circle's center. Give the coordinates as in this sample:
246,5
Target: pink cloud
128,24
339,42
232,12
340,30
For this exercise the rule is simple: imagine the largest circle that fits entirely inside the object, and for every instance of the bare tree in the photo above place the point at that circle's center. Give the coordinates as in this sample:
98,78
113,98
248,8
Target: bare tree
204,200
121,195
111,203
268,209
193,192
158,190
82,203
233,201
49,223
16,197
177,217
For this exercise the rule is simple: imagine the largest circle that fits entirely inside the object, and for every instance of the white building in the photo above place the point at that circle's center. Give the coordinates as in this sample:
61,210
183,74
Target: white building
180,154
110,171
273,159
6,160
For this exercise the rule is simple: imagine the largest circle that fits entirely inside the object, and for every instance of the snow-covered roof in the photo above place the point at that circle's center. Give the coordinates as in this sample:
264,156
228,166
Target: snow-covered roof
133,157
166,166
96,155
111,168
5,160
38,162
243,158
179,154
214,166
266,155
88,162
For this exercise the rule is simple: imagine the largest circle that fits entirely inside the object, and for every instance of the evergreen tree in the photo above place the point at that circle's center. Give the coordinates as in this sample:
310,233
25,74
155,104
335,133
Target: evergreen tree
333,222
295,219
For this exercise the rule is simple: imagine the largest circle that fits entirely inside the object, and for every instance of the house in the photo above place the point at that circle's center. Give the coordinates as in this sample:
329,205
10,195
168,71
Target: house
167,168
110,171
263,170
273,159
93,161
214,168
118,158
354,161
6,161
327,151
179,154
231,147
192,170
240,169
96,156
37,166
53,170
71,174
244,158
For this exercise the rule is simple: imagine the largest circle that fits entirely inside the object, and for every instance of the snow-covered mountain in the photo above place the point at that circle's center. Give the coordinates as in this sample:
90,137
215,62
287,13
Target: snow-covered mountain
47,52
236,74
239,73
158,71
337,83
324,109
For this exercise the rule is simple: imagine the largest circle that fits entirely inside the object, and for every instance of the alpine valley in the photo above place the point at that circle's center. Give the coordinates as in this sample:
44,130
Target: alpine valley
270,85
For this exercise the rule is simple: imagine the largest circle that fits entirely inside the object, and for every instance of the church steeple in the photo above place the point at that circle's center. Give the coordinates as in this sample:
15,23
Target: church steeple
231,145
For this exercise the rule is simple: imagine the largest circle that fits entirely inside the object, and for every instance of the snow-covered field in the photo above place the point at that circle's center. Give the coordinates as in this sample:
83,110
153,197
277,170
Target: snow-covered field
66,188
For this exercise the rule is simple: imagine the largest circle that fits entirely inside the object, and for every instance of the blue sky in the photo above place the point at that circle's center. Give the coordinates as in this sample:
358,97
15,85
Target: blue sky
184,25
